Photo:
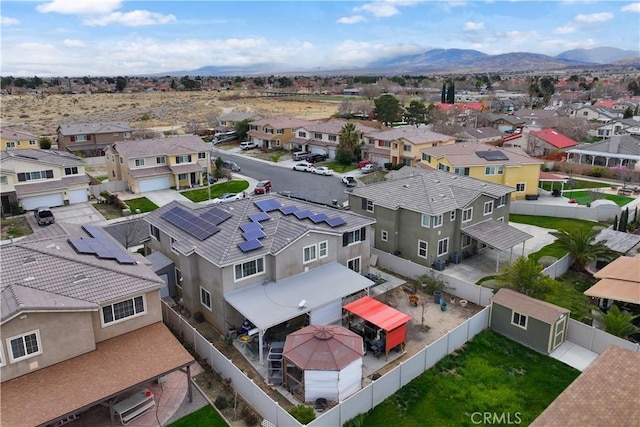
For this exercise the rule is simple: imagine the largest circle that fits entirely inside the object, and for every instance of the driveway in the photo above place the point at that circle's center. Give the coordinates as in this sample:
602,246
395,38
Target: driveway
79,213
163,197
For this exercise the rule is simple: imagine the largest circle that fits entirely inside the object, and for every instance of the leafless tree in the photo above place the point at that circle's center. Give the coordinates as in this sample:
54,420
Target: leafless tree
213,119
191,126
364,107
370,92
345,108
131,229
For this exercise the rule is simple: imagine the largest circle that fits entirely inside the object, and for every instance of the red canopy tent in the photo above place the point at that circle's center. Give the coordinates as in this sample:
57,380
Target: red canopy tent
392,321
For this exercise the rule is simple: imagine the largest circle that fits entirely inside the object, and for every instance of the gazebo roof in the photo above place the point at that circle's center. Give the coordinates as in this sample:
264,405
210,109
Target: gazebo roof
323,347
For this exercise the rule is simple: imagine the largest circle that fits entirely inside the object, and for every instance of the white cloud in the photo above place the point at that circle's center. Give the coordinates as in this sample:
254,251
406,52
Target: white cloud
80,7
378,9
6,20
594,17
73,43
566,29
562,45
473,26
135,18
354,19
633,7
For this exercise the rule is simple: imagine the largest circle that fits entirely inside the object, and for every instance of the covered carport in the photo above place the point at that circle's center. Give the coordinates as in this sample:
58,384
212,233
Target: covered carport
619,281
497,235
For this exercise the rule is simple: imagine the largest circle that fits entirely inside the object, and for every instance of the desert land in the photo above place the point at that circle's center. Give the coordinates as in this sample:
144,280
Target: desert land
41,114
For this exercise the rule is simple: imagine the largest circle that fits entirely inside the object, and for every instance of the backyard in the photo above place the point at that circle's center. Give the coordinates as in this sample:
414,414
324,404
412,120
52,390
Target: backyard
490,374
203,417
568,292
202,194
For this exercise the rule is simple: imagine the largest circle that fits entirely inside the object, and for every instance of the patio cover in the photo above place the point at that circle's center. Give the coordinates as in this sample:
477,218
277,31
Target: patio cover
496,234
116,365
619,281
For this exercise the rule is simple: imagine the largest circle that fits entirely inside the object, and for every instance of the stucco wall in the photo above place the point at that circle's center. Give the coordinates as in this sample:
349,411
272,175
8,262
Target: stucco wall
536,335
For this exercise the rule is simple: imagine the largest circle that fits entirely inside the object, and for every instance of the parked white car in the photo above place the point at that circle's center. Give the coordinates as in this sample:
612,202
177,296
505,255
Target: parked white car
227,197
248,145
303,167
368,168
322,170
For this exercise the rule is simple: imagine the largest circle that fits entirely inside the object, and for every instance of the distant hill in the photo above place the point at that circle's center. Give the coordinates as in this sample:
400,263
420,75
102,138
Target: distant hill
598,55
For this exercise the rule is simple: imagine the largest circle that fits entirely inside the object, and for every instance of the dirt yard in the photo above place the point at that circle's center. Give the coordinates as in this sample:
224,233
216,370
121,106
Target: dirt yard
41,114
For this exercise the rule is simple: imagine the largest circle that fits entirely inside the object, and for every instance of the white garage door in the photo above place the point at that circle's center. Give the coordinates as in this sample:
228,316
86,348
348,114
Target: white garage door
50,200
317,150
77,196
153,184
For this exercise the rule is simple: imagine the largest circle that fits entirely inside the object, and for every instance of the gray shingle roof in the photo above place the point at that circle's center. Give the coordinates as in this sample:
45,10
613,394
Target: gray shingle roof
281,230
49,157
16,135
428,191
531,307
334,127
44,272
617,144
176,145
93,128
409,133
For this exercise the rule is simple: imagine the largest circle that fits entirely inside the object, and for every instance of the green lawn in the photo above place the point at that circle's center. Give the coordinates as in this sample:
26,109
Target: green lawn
489,374
340,167
577,185
583,197
142,203
203,417
202,194
568,293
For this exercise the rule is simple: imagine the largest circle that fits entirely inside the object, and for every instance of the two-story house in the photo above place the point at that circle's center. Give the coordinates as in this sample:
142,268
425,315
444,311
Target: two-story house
509,166
324,138
81,324
13,139
617,127
619,150
544,142
401,145
33,178
158,164
486,135
268,259
431,217
593,113
91,138
275,132
228,121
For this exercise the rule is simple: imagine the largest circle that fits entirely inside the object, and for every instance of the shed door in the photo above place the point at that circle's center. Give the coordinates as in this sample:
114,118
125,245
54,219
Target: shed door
558,333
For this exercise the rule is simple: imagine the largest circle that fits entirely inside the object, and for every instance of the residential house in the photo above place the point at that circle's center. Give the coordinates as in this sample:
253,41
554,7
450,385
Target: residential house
324,137
13,139
157,164
432,217
619,150
507,122
33,178
509,166
534,323
601,395
401,145
487,135
229,120
81,324
593,113
548,141
275,132
91,138
617,127
267,259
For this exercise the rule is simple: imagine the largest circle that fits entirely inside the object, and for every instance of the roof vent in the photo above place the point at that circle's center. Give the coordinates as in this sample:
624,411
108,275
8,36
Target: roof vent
79,277
29,279
405,185
29,260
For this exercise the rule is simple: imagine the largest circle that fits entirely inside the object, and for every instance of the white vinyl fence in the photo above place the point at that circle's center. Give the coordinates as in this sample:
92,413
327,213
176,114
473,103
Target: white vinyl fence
358,403
559,267
595,339
573,210
111,187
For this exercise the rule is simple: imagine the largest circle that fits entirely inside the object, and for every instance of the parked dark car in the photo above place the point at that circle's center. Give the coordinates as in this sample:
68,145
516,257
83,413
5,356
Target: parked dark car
44,216
263,187
315,158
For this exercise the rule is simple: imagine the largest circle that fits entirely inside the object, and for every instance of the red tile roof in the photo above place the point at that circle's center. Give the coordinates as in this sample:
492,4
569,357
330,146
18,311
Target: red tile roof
555,138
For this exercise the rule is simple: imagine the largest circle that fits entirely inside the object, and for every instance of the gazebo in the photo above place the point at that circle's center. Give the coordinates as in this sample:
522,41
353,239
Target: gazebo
323,362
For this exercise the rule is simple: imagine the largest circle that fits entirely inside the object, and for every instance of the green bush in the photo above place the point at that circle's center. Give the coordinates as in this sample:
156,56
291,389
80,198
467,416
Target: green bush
303,413
388,166
596,172
398,166
145,117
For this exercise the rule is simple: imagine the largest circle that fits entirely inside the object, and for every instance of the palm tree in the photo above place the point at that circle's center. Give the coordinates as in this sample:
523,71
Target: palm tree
525,276
348,140
618,323
582,247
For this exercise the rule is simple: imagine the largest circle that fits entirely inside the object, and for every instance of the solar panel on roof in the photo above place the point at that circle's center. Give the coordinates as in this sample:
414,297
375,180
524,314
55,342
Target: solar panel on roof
259,216
267,205
249,245
101,246
216,215
288,210
318,217
81,246
335,222
303,214
198,227
250,226
254,234
492,155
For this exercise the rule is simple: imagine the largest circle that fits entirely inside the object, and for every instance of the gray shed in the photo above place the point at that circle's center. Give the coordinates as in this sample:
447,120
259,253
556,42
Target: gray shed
529,321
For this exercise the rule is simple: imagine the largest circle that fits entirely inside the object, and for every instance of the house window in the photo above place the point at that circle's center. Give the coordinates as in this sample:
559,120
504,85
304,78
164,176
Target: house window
71,171
488,208
280,131
502,200
369,206
121,160
467,215
354,236
32,142
3,180
437,221
114,313
172,242
452,216
423,248
371,141
248,269
32,176
11,144
443,167
323,249
520,187
80,138
317,135
406,147
269,131
302,134
395,146
182,176
24,346
154,231
384,235
466,241
202,156
354,264
426,221
333,138
426,158
494,170
309,254
161,160
126,134
183,159
178,278
519,320
443,246
461,171
205,297
384,143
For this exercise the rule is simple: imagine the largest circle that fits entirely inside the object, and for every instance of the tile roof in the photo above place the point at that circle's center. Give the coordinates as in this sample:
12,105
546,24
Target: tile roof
282,122
334,127
44,271
617,144
411,134
93,128
237,116
281,230
186,168
482,133
428,191
16,135
115,366
171,146
464,154
531,307
50,185
49,157
152,171
605,394
555,138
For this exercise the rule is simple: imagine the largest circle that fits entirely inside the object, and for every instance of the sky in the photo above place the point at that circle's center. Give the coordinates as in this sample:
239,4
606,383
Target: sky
116,37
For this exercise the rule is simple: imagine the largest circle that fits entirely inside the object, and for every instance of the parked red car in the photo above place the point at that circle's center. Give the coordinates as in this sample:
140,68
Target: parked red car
262,187
363,163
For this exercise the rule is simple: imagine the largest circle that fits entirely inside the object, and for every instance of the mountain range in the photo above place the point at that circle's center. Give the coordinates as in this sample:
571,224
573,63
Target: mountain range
450,61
